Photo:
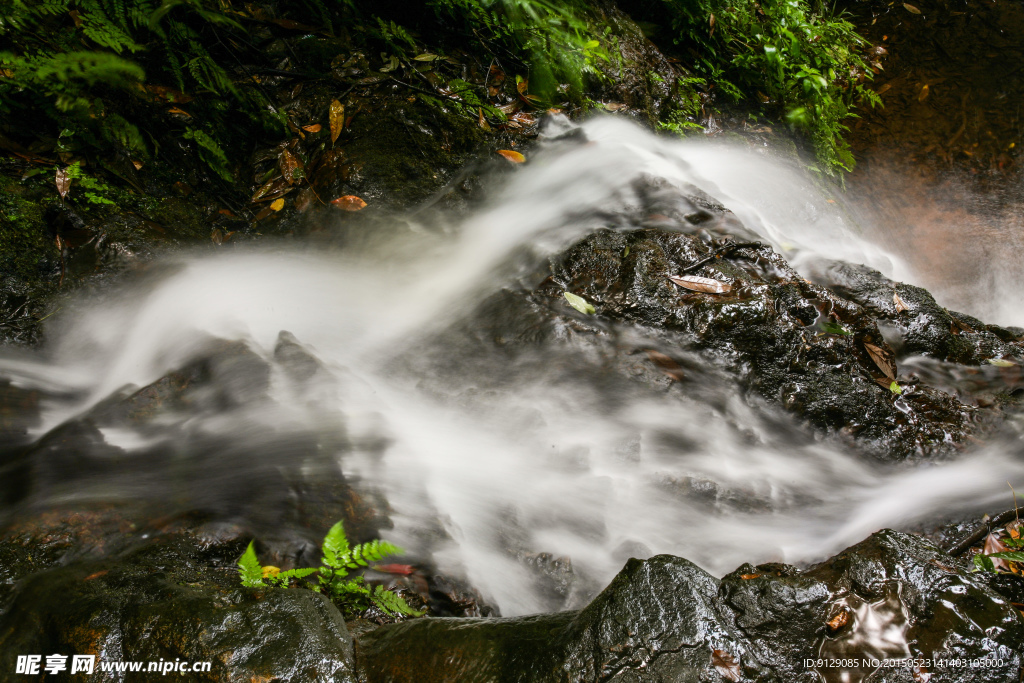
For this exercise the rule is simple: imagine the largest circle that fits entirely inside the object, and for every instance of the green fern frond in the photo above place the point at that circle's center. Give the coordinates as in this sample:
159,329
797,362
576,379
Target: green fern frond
393,603
374,551
249,568
210,152
335,547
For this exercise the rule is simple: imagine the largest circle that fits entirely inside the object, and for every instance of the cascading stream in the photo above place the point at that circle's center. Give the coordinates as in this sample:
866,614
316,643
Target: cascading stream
485,476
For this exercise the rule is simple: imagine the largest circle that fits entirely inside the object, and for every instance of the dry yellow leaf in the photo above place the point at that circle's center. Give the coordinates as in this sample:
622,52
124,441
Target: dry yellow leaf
337,119
277,204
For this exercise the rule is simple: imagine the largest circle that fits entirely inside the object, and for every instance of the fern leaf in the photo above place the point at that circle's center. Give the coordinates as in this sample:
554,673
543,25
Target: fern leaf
393,603
374,551
249,568
335,547
297,573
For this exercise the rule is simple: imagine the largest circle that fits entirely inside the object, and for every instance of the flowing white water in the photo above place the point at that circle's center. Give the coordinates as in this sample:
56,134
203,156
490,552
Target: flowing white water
488,466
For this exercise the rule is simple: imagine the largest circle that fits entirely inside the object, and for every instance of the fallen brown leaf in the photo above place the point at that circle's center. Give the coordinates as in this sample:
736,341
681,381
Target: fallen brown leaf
726,665
63,183
315,128
901,305
336,118
701,284
882,359
289,165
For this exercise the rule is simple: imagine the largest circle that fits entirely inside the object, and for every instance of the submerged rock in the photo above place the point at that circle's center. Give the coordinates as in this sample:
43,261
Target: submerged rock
664,619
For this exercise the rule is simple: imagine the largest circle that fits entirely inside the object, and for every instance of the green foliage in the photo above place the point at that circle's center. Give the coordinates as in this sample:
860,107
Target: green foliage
352,594
807,63
94,190
249,568
555,37
80,65
210,152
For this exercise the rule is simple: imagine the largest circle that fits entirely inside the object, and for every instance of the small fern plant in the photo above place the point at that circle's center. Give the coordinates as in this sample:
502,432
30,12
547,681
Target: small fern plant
339,559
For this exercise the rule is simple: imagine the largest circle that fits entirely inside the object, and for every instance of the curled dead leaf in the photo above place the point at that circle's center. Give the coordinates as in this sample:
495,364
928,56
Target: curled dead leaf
349,202
882,359
701,284
839,620
514,157
315,128
901,305
726,665
747,577
336,118
63,183
269,190
178,111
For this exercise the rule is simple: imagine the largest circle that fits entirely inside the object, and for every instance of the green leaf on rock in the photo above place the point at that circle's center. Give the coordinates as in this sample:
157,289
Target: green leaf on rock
896,388
579,303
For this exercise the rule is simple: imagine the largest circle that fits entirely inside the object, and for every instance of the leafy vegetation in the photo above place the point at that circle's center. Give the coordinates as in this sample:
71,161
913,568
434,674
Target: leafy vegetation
800,59
339,560
142,61
555,38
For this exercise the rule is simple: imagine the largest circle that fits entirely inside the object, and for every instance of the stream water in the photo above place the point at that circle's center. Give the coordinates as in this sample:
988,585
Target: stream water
489,464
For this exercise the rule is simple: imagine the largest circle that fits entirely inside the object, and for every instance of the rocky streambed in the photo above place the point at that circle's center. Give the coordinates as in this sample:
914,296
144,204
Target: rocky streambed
124,514
863,362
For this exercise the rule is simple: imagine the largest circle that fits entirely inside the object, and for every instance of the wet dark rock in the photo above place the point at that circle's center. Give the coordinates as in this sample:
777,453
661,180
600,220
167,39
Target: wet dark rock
177,597
804,346
664,619
925,328
638,75
138,445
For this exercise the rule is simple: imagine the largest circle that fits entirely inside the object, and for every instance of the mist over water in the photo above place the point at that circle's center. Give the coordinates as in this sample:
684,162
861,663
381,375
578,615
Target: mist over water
489,461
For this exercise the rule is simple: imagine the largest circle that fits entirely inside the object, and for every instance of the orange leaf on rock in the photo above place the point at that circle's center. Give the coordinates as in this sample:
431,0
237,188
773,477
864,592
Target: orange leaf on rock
349,202
514,157
336,116
726,665
315,128
277,204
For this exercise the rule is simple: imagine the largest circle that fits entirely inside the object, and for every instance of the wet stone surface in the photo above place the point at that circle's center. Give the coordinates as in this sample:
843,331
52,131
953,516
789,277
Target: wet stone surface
831,352
664,619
